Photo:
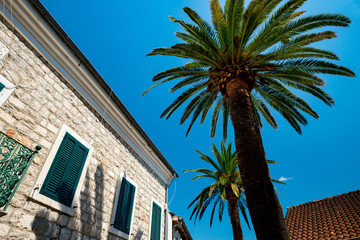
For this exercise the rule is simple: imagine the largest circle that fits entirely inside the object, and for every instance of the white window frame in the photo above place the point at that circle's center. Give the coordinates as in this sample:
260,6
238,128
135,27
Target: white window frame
35,193
113,230
6,92
153,200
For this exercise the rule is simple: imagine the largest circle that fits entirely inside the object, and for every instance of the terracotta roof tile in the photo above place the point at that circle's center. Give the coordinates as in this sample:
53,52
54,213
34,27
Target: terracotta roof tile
336,217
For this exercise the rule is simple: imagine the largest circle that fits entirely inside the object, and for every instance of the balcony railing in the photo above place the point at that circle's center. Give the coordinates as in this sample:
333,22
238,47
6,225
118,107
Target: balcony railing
15,160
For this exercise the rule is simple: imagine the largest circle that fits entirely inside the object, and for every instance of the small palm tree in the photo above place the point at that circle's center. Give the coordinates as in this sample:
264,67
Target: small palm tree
245,62
227,188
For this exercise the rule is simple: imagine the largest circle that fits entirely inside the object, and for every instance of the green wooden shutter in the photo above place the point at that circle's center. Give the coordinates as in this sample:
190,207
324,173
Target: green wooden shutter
155,222
63,177
2,86
124,206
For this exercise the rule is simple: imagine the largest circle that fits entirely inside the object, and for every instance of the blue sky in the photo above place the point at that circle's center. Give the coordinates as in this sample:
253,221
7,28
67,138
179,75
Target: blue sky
324,161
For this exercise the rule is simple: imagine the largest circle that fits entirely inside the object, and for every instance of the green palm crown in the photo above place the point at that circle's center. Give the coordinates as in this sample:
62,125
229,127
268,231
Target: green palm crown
225,180
267,46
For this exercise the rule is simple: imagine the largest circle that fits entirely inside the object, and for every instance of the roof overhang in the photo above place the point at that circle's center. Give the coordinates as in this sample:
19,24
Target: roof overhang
43,33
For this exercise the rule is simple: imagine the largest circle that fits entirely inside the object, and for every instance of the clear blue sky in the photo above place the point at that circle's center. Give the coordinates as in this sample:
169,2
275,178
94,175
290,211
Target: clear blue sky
324,161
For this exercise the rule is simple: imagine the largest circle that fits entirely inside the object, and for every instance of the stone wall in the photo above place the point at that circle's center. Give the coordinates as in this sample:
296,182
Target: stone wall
41,103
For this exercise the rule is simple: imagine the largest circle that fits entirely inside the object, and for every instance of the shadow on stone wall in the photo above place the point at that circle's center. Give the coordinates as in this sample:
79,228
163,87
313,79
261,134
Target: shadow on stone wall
88,220
138,235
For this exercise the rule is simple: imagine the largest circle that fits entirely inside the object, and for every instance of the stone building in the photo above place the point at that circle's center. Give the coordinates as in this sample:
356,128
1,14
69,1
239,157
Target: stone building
179,229
98,175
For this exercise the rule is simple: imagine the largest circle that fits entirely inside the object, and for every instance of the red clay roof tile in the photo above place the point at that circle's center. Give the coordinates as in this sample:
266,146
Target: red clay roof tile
336,217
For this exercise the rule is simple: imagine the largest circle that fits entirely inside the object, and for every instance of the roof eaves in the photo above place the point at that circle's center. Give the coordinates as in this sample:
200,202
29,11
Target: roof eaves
323,199
72,46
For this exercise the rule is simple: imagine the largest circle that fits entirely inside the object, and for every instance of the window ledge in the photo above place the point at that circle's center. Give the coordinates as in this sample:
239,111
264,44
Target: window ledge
118,232
37,196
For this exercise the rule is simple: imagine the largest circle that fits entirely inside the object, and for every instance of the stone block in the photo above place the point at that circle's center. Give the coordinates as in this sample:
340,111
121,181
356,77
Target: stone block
42,227
46,144
53,216
21,63
98,233
52,128
84,217
24,141
62,220
16,234
4,229
65,234
93,232
23,128
10,132
55,232
49,80
58,88
27,221
85,237
75,236
42,131
17,103
86,229
74,224
16,218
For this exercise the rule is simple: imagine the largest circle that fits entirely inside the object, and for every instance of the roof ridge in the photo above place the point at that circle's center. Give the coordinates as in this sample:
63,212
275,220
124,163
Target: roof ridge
327,198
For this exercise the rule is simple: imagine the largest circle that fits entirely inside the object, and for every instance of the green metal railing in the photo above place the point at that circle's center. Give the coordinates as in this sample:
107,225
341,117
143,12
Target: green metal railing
15,160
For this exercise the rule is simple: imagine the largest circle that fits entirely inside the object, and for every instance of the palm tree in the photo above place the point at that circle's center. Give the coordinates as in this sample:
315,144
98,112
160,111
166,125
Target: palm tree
227,187
240,66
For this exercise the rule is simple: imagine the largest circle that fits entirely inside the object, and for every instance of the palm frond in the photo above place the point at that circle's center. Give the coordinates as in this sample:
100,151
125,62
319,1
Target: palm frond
257,12
219,23
181,99
225,118
215,117
271,40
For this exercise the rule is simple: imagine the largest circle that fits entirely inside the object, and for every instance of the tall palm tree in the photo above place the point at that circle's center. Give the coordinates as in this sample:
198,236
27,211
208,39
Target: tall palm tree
226,188
242,64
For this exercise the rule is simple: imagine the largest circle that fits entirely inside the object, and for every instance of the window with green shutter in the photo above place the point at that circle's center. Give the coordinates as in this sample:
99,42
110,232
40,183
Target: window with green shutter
155,222
124,206
64,174
2,86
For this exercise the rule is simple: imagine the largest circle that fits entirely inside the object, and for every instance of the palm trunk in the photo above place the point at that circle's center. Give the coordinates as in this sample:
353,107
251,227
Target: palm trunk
234,216
264,207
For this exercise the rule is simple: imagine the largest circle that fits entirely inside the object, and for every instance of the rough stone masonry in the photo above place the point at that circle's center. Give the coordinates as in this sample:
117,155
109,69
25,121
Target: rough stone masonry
41,103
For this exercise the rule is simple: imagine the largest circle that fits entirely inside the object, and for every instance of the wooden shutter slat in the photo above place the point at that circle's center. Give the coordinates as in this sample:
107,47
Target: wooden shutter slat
58,167
124,206
119,207
73,175
61,182
155,222
129,206
158,222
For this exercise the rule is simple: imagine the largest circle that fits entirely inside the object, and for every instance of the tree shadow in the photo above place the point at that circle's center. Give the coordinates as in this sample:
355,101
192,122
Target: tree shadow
138,235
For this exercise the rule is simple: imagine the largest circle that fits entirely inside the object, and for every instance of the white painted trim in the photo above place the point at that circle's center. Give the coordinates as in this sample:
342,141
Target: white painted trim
35,193
153,200
6,92
112,229
42,37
